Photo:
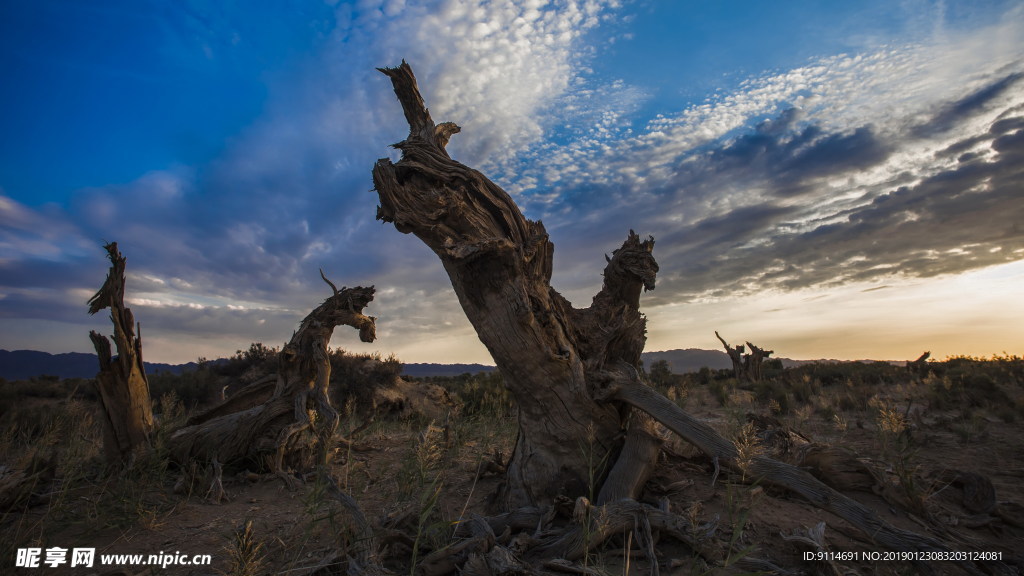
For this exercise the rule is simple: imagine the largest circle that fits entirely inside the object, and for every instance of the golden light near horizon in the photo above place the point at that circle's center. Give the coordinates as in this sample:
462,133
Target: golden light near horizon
977,313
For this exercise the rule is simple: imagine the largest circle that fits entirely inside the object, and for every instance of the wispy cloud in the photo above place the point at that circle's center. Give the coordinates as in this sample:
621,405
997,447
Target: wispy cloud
496,68
902,161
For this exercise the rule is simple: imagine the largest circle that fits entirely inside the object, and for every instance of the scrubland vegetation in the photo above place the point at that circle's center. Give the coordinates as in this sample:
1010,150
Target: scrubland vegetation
939,450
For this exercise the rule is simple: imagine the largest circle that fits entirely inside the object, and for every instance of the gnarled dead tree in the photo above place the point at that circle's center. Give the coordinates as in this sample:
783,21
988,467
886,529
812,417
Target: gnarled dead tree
755,362
127,417
573,372
736,356
552,355
285,419
747,367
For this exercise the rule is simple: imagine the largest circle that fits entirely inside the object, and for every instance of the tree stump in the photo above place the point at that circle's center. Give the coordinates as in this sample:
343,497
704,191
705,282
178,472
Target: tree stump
127,418
919,367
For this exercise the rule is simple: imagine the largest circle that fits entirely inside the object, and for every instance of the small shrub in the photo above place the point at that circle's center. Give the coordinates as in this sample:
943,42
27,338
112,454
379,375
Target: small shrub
1009,412
804,388
826,411
483,395
773,394
355,377
720,392
193,388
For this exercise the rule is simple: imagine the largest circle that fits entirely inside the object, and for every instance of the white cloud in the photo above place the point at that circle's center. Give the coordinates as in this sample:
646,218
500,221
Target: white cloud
891,89
493,67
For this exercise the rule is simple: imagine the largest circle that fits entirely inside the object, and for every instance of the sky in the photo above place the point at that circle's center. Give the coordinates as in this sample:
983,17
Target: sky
824,179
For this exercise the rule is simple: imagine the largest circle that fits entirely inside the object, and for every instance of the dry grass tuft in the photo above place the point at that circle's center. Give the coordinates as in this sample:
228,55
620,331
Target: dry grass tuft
246,557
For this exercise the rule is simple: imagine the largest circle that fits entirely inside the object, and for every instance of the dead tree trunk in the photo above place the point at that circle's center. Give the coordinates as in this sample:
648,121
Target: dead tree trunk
552,355
127,417
288,420
755,362
747,367
739,368
919,367
573,372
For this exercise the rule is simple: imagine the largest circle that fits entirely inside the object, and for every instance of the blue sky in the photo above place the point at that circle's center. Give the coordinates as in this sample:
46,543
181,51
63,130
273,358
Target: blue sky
827,179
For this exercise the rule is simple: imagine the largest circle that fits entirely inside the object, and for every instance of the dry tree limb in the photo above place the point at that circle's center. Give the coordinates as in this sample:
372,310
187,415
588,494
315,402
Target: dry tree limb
735,356
216,493
635,463
599,523
367,552
814,538
778,473
448,559
567,567
363,559
24,486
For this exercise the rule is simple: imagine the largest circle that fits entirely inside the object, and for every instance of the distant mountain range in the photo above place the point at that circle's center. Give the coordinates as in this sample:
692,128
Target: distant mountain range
24,364
424,370
689,360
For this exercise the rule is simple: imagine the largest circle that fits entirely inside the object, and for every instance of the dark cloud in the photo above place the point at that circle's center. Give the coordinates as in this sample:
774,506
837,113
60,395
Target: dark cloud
782,159
963,218
832,154
727,231
953,114
1007,125
35,272
44,304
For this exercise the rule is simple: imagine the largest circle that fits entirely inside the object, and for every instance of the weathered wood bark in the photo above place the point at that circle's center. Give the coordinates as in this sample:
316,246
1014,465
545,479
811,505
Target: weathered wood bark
127,417
552,355
287,420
